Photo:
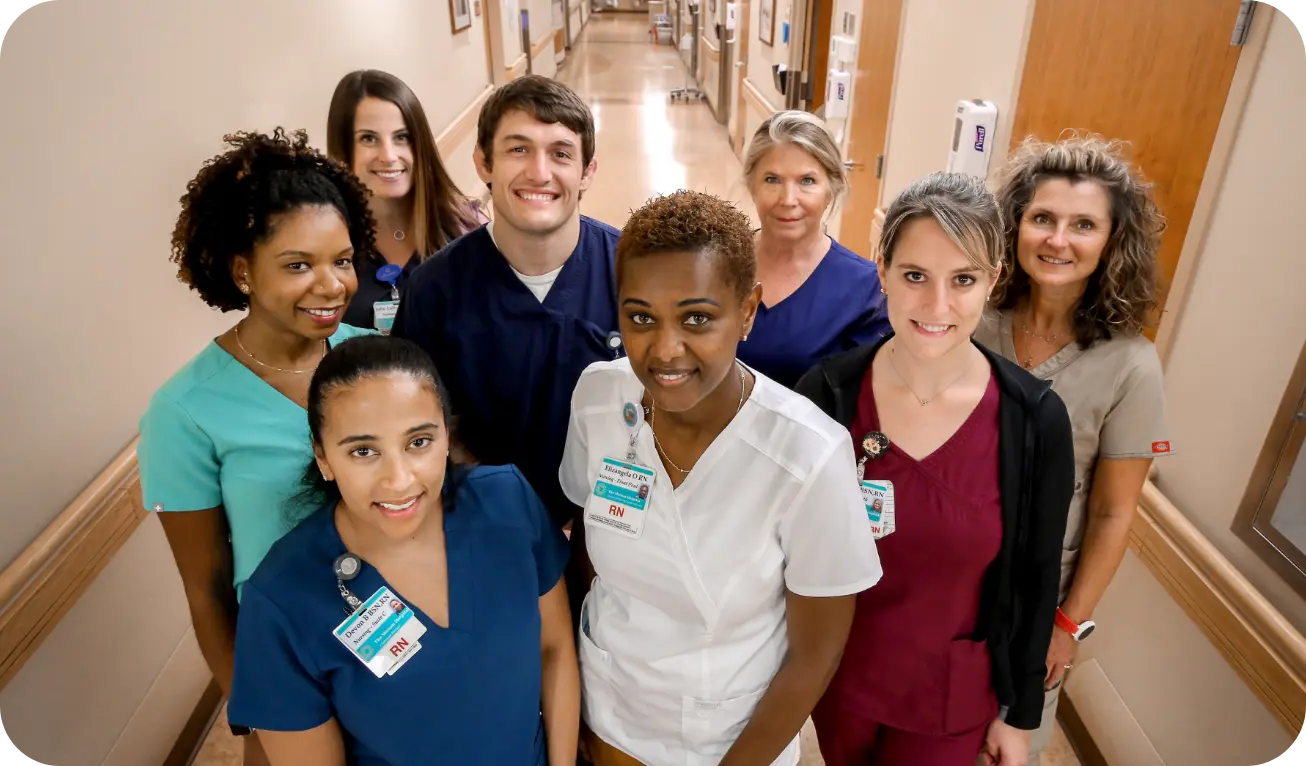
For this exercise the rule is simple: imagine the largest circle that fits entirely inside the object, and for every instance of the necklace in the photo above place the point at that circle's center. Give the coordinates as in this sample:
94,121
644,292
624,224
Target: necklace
398,235
906,385
278,369
653,416
1053,340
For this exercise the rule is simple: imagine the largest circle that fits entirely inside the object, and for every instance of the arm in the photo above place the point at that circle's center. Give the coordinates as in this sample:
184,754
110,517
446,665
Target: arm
1113,499
560,690
818,630
199,542
320,746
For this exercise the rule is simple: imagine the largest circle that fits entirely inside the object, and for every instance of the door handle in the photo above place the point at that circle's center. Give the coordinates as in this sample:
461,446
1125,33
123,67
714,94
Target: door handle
850,165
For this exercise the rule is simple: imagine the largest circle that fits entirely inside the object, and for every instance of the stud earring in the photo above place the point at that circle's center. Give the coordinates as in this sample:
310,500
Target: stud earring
244,289
745,338
882,290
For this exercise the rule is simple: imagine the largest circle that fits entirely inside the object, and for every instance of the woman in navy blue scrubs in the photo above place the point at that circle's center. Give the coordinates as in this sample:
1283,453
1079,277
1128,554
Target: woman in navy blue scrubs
419,616
378,129
818,297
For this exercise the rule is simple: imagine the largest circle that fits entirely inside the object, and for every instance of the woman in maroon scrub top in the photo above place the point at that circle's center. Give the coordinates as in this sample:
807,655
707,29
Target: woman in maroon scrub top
971,460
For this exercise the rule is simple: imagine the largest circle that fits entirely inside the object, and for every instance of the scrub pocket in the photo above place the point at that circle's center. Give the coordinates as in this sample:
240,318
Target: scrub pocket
971,700
595,668
710,727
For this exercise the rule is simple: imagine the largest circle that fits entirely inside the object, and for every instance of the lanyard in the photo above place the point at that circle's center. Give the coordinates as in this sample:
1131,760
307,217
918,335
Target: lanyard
347,566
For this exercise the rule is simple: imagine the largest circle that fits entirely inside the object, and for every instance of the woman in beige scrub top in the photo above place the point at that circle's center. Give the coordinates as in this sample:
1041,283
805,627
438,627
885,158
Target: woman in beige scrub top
1082,231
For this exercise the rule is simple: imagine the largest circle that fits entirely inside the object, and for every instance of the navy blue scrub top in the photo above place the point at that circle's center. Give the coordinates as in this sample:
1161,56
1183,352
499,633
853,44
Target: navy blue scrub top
371,289
509,361
839,307
470,695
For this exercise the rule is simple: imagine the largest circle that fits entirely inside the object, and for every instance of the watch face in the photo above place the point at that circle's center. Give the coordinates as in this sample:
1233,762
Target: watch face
1085,630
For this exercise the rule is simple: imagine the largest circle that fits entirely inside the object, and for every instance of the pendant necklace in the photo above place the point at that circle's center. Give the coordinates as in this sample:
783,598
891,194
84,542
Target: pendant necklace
653,420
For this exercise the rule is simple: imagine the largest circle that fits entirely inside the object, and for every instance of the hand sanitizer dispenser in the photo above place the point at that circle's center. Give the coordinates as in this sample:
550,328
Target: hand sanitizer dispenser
972,137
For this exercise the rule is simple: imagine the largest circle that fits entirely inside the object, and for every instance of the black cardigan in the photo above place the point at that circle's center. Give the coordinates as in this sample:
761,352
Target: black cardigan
1036,477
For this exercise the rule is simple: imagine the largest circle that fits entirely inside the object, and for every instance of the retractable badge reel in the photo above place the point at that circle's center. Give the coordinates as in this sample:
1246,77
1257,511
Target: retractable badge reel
877,494
383,312
347,566
624,487
614,343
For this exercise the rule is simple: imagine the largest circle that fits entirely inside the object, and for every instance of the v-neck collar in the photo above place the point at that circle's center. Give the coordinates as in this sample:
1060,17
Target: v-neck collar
646,447
1051,365
560,293
764,306
457,555
244,368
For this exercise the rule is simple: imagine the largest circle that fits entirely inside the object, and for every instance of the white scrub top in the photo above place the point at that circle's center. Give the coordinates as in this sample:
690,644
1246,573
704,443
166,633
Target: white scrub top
684,627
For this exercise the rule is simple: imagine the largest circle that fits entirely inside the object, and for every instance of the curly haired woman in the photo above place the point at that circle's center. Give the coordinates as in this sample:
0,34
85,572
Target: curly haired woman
1082,231
270,228
724,594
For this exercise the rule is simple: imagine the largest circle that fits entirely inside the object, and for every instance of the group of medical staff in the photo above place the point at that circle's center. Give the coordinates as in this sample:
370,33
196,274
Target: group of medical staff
515,487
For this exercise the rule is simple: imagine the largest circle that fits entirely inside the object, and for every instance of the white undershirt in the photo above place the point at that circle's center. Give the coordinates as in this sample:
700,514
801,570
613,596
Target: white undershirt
539,285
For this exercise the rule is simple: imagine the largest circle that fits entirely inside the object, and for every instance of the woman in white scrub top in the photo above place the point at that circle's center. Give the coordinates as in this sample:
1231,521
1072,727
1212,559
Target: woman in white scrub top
723,518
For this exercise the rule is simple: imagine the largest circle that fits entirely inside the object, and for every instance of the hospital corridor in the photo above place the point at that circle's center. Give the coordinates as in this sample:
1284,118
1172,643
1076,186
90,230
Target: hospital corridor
456,321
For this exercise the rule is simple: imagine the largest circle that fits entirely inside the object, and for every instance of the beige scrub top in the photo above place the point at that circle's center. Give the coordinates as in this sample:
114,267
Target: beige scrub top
1115,394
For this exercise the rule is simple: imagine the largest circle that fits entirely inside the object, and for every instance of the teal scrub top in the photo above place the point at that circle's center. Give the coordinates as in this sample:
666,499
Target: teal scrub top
217,435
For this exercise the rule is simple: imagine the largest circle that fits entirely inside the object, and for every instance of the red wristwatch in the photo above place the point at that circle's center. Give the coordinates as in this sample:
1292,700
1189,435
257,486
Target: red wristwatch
1077,630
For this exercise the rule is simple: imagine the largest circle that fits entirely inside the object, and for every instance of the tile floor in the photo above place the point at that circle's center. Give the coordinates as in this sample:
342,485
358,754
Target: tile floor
646,145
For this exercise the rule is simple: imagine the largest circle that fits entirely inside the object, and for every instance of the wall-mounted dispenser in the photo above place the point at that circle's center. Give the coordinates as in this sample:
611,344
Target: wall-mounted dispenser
972,137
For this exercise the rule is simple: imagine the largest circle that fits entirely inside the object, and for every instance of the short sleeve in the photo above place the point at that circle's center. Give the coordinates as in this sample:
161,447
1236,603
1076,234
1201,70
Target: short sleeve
1136,426
178,462
548,543
826,536
573,472
273,686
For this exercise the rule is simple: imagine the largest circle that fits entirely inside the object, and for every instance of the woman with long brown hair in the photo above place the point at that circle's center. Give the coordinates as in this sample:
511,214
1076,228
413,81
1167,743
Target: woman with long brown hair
377,127
1080,242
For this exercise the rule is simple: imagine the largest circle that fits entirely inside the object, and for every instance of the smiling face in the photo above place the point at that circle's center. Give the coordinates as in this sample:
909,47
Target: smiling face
536,173
301,277
384,443
791,192
681,321
1064,232
383,150
935,294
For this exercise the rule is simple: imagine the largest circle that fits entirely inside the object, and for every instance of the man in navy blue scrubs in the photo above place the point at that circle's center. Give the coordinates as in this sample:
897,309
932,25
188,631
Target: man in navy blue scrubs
513,312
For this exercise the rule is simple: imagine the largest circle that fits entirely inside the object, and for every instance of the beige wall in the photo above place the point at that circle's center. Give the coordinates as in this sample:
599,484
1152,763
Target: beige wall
109,110
950,50
1243,315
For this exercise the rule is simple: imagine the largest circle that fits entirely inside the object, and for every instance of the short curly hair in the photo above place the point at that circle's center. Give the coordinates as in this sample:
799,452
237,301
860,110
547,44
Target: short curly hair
233,202
1123,291
689,221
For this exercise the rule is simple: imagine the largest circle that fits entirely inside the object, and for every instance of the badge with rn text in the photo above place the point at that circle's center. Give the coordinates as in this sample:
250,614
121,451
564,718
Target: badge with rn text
621,497
878,496
382,634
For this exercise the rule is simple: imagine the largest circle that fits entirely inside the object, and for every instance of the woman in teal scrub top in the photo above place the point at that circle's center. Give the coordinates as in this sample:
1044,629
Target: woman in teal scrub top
270,228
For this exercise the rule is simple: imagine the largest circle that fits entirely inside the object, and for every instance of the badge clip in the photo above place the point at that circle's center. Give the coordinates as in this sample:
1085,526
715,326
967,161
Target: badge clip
390,273
875,445
347,566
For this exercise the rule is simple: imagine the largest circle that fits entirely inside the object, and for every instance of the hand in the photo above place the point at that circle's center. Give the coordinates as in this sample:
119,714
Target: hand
1005,746
1061,652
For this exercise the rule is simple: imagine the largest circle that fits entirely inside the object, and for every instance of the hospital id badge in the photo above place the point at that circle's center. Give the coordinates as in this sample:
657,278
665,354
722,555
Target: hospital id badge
382,633
878,496
621,497
383,315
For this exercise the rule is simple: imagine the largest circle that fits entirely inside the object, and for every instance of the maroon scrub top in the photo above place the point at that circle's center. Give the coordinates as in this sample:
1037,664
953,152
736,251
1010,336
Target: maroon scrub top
910,662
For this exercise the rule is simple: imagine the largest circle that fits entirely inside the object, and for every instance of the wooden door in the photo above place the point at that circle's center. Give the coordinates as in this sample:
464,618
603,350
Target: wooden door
868,120
739,66
1154,73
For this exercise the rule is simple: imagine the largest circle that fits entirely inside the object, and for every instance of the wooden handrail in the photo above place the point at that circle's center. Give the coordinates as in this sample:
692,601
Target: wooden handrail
48,577
757,99
1259,643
